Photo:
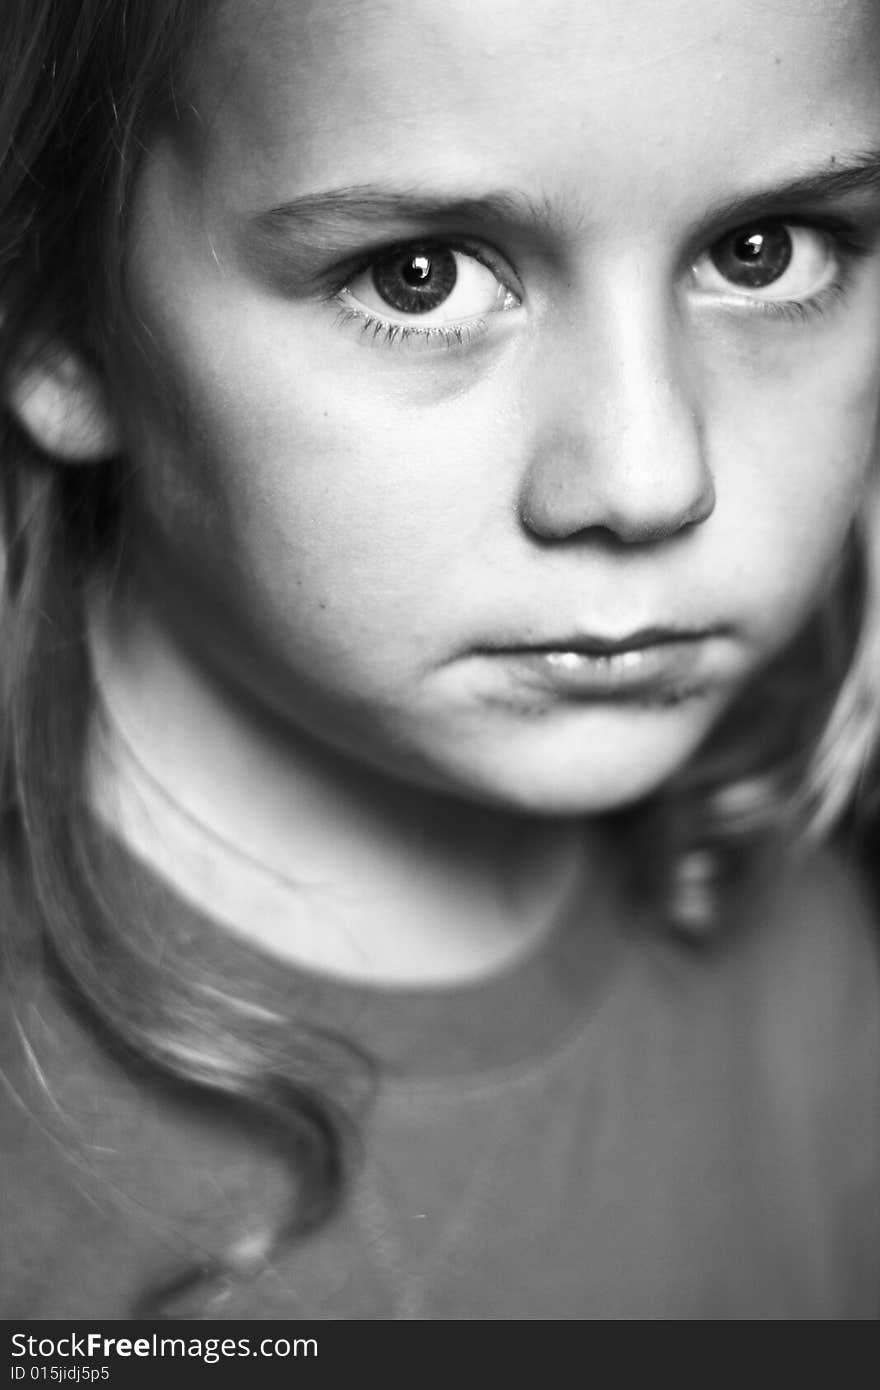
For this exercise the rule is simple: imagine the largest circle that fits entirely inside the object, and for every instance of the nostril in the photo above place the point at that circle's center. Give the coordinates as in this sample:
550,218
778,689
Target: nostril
560,501
620,450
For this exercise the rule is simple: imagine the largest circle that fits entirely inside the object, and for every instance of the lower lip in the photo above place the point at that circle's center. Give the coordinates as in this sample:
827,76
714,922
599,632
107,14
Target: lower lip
661,669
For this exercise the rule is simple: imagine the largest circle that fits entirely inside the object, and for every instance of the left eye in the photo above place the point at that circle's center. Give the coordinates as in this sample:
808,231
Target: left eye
433,283
768,261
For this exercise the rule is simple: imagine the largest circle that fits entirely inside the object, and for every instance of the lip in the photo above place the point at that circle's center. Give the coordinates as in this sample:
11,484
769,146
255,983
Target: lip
651,663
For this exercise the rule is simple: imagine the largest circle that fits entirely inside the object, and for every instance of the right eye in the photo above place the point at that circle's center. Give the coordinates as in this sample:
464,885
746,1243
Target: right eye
433,283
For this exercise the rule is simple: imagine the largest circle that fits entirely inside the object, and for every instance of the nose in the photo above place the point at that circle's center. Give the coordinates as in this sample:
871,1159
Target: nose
618,442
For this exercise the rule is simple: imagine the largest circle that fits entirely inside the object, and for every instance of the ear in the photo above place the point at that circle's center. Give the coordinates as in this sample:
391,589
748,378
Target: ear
61,401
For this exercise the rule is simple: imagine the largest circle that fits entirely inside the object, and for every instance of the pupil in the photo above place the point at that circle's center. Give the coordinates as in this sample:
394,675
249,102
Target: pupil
753,258
751,248
416,281
418,271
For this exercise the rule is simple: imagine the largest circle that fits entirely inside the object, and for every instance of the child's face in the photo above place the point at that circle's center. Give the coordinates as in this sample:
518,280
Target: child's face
619,384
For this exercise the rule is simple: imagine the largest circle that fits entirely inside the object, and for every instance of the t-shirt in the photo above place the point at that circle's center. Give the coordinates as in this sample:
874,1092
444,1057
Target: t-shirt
617,1126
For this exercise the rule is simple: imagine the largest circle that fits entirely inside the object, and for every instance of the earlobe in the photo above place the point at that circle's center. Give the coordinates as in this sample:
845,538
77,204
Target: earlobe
61,402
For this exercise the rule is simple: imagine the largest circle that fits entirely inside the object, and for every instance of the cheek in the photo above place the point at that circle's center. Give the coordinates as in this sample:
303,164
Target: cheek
791,446
352,499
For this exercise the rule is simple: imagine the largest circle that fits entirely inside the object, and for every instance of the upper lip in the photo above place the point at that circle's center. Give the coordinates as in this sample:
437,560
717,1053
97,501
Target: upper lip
594,644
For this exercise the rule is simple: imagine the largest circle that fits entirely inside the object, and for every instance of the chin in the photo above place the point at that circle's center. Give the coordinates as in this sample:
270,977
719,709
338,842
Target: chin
599,795
594,777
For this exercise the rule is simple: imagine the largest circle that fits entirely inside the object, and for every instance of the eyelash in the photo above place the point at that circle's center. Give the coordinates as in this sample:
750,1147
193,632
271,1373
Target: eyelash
388,332
848,246
804,310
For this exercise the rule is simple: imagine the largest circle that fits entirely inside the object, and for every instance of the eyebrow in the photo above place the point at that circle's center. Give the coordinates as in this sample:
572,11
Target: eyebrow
831,183
292,242
325,222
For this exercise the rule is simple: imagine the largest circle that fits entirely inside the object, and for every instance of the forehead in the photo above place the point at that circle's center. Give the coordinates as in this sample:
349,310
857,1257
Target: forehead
609,98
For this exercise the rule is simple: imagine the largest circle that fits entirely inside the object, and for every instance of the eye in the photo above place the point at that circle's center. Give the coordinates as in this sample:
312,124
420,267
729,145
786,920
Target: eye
433,283
768,261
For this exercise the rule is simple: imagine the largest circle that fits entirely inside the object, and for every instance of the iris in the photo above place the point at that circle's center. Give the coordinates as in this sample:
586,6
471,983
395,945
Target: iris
415,281
753,257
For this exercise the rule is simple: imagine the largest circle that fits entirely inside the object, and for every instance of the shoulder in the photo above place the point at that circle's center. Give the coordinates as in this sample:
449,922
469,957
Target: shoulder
815,915
811,956
790,978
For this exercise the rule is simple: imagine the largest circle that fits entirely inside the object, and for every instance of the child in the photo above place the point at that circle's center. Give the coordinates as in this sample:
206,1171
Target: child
440,630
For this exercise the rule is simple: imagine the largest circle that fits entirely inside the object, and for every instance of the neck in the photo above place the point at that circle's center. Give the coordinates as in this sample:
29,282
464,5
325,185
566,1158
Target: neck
313,857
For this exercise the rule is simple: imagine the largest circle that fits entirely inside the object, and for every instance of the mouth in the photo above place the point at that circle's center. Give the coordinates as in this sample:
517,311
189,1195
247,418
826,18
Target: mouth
653,665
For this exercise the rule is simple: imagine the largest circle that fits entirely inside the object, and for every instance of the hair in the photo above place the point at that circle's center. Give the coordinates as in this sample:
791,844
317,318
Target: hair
84,83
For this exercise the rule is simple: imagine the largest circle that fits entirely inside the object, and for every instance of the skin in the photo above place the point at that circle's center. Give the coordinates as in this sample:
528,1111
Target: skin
335,533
